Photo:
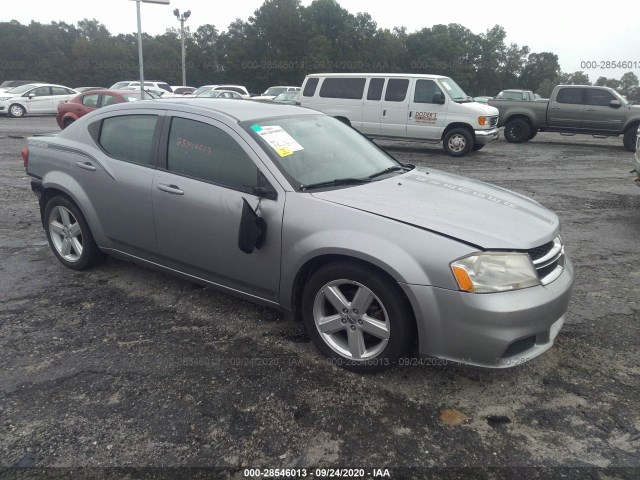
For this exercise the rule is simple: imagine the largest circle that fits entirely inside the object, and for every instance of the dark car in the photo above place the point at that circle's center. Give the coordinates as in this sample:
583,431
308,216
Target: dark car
69,112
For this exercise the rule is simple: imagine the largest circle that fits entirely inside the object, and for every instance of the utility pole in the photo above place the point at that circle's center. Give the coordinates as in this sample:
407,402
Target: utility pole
183,18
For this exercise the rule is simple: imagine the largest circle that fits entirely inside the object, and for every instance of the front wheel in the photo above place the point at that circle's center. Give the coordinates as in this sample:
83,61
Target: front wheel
16,110
629,139
69,235
517,131
458,142
356,317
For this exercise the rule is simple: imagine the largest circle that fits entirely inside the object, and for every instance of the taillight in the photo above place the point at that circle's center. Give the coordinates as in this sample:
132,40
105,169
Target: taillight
25,156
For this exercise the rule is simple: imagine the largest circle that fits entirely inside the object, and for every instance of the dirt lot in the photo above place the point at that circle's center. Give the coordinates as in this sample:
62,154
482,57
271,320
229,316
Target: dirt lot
125,367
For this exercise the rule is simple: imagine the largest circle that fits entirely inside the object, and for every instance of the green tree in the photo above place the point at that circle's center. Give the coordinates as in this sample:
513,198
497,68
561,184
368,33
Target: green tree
539,67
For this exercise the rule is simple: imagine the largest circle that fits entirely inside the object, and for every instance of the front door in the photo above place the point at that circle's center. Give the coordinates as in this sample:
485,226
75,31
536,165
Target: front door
426,119
599,115
40,102
198,199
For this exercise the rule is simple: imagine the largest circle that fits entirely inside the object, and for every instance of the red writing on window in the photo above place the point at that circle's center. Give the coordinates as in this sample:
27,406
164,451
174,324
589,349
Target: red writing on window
198,147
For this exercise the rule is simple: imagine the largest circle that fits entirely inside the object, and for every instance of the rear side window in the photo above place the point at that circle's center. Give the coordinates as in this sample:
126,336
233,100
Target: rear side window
350,88
396,90
205,152
310,87
570,95
375,89
91,100
129,138
599,97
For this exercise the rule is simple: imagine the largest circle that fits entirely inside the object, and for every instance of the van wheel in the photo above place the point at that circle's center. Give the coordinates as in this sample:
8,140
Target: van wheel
458,142
629,139
517,131
356,317
69,235
478,146
17,111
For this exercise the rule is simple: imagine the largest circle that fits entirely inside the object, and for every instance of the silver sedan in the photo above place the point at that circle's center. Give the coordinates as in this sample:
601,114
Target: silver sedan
293,209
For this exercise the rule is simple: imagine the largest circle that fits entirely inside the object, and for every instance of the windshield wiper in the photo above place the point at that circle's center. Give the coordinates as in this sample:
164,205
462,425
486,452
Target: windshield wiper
337,181
394,168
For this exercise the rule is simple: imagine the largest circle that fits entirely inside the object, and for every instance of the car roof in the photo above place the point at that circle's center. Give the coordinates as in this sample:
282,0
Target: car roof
46,85
233,109
386,75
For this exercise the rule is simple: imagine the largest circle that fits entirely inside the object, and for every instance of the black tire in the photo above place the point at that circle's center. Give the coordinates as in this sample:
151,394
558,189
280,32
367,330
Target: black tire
16,110
387,314
629,139
344,120
457,142
533,134
82,253
517,131
478,146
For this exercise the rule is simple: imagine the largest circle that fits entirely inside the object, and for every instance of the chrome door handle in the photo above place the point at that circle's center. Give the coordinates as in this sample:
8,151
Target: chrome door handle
86,166
175,190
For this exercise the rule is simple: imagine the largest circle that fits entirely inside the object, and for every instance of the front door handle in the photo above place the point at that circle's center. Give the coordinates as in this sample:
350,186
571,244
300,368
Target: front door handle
86,166
175,190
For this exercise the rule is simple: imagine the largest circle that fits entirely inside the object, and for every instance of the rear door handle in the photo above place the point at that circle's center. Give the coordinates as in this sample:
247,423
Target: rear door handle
175,190
86,166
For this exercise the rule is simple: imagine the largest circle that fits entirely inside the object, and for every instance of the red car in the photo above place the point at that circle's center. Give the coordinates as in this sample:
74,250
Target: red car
70,111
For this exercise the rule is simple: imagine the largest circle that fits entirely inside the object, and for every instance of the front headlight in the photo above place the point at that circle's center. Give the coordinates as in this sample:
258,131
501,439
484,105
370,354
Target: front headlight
491,272
2,99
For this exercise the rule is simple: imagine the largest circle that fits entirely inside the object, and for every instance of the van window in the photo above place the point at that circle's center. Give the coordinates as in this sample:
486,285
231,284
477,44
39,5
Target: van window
310,87
396,89
375,89
425,90
351,88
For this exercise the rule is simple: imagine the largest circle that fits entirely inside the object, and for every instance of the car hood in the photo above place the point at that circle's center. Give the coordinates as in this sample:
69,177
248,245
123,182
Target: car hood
477,213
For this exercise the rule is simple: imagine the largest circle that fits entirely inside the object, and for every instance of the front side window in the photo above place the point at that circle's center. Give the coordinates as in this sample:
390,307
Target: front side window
205,152
310,87
396,90
349,88
425,90
574,96
129,138
41,92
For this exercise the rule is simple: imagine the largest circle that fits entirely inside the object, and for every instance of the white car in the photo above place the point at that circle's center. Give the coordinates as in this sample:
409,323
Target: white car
181,90
135,84
34,98
244,93
272,92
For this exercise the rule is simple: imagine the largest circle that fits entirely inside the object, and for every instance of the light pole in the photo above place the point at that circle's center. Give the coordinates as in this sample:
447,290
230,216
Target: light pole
140,59
183,18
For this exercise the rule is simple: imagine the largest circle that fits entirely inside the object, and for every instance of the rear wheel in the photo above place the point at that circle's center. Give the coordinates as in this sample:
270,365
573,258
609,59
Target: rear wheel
629,139
517,131
69,235
16,110
356,317
458,142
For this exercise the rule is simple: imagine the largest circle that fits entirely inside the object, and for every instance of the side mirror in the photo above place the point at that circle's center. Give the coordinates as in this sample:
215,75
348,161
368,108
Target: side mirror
438,98
253,229
31,95
615,104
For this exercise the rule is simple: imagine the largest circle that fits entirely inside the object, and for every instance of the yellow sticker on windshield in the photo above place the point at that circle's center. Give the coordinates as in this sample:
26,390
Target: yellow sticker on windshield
283,143
284,151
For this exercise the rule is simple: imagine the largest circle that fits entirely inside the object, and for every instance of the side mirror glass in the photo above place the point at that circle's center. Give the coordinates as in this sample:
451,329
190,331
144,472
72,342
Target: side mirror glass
253,229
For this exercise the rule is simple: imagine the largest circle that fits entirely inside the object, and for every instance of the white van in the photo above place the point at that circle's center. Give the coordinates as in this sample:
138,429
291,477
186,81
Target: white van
409,107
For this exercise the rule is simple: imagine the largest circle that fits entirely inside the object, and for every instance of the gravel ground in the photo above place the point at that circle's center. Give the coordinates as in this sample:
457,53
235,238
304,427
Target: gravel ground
122,366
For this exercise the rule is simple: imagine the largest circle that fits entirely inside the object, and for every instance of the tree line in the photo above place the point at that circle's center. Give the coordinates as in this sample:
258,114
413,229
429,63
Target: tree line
281,43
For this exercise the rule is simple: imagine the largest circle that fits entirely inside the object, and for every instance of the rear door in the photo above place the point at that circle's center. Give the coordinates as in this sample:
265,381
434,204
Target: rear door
395,108
565,111
60,95
426,118
372,106
599,115
198,197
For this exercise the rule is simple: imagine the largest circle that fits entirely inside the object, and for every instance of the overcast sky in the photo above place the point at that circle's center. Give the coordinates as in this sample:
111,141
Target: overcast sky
574,31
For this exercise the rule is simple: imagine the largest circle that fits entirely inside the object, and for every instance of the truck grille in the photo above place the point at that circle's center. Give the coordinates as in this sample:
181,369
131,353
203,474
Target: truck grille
493,121
548,260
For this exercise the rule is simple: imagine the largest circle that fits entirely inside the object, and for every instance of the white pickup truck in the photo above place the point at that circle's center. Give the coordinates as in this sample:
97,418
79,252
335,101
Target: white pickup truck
408,107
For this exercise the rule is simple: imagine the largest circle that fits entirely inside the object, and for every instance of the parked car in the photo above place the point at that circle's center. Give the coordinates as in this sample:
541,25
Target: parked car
10,84
72,110
290,98
234,88
135,84
179,90
291,208
573,109
272,92
404,106
636,165
34,98
220,94
514,94
88,89
482,99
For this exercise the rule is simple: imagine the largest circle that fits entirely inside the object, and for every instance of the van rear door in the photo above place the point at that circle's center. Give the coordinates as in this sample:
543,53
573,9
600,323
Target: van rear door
372,106
395,108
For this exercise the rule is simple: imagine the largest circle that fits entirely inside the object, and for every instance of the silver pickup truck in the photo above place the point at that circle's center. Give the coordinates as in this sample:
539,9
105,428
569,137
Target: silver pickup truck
571,109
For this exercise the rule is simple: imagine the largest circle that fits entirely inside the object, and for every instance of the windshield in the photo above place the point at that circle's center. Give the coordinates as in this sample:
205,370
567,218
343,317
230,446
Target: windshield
453,89
198,91
21,89
275,90
287,96
311,149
